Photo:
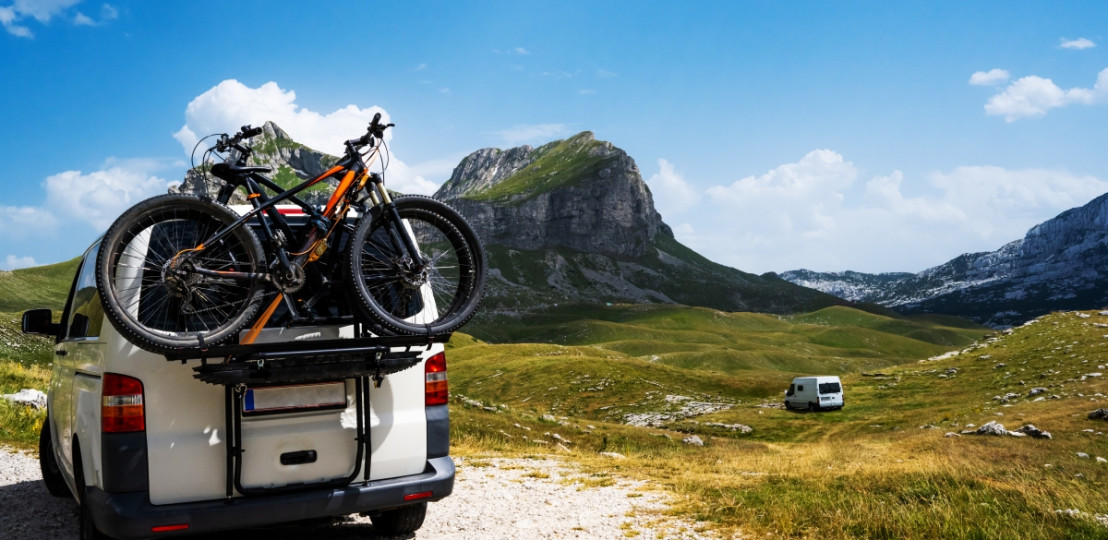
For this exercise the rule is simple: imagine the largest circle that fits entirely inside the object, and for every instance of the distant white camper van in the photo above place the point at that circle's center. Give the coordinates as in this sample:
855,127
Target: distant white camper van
815,393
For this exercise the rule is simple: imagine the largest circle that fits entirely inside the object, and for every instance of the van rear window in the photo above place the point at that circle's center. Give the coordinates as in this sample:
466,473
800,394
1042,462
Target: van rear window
830,388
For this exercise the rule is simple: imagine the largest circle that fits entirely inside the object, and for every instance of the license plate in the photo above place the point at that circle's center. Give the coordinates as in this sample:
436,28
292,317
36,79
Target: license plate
294,398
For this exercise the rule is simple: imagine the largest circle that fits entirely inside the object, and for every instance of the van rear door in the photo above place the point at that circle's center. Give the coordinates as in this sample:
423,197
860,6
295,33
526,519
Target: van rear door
291,436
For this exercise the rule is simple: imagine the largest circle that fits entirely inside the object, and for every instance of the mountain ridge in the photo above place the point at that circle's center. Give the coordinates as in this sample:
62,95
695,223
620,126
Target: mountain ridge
1057,265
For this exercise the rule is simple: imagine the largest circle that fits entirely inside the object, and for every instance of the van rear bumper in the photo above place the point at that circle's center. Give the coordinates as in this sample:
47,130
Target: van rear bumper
130,515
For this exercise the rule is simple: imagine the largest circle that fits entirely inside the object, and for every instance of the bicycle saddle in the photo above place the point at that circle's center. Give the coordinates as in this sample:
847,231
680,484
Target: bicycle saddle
230,172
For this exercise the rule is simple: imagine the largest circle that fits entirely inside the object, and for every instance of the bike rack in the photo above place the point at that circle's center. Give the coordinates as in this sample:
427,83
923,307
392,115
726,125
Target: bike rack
366,360
306,361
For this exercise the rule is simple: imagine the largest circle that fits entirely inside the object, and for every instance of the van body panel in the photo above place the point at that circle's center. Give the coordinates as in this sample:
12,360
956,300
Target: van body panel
178,466
398,425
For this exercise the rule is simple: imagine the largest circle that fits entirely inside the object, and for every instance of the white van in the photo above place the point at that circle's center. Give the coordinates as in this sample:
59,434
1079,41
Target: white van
309,422
815,393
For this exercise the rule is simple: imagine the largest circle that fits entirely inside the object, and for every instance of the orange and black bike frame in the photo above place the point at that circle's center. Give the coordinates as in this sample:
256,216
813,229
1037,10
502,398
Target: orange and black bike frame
354,176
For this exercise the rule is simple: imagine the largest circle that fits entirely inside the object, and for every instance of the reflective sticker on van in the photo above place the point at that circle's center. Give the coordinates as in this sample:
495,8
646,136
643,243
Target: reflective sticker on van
290,398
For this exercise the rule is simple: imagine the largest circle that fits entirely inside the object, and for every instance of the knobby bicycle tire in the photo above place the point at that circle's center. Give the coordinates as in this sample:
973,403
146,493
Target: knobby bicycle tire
399,300
143,277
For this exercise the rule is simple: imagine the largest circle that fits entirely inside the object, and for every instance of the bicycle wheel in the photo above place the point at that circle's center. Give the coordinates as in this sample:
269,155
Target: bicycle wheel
435,294
146,274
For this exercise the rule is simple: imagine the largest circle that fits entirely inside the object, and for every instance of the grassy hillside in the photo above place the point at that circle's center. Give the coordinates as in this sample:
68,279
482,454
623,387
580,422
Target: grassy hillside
527,280
882,467
837,339
555,164
41,286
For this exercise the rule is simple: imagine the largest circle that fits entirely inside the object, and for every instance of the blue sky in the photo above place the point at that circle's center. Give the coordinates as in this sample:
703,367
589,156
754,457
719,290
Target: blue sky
871,136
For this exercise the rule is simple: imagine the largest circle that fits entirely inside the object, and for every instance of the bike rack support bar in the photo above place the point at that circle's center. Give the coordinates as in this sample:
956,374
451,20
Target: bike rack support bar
287,349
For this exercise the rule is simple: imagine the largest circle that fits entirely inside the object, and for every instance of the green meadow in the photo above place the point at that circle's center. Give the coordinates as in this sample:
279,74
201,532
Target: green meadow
883,467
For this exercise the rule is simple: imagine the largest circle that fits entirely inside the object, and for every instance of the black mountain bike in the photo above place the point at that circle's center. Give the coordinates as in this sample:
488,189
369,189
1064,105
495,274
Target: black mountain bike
181,271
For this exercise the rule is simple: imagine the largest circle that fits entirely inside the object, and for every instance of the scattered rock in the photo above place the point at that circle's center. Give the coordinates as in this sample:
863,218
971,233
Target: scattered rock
560,439
1083,455
994,429
613,455
1101,460
1036,391
731,427
1099,414
952,434
693,440
28,396
1034,432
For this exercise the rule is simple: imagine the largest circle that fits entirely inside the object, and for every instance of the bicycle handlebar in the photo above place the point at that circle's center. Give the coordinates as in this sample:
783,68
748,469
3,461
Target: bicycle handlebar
245,132
376,129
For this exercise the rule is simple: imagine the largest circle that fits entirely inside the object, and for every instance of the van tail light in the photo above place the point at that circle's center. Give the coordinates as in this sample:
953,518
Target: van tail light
437,389
121,405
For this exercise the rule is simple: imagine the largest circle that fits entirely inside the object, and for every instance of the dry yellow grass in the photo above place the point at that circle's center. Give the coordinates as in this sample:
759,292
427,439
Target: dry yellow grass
882,467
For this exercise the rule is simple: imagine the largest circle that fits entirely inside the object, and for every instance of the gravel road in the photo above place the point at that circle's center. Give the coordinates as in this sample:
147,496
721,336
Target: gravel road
496,498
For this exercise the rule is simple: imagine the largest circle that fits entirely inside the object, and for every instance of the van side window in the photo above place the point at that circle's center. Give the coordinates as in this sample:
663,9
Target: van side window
800,388
86,312
830,388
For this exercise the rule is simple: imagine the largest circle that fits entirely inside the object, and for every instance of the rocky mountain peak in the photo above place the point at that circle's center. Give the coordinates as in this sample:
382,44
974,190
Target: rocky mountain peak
579,193
290,161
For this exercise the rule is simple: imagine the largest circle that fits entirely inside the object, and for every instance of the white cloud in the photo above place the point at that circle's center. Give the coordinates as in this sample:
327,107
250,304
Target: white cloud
11,262
97,198
672,194
521,134
989,78
21,222
39,10
42,10
817,212
415,178
107,13
8,18
1079,43
76,207
1033,96
231,104
521,51
818,175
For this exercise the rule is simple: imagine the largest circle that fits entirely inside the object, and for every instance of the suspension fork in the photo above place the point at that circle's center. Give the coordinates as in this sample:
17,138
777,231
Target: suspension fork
397,233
